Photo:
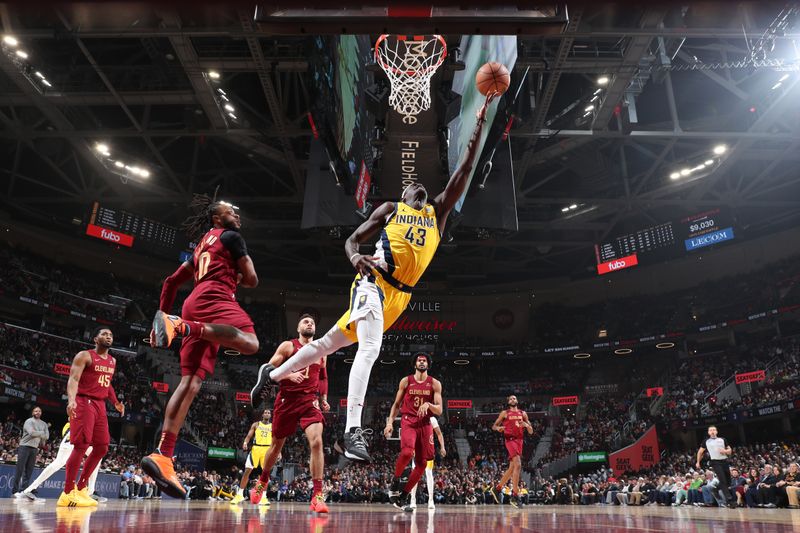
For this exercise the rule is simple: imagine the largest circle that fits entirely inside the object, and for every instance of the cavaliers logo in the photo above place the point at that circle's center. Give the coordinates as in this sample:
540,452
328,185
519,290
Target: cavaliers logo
315,403
361,301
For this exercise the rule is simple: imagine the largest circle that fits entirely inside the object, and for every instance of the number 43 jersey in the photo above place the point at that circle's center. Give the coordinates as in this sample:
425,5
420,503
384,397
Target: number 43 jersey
408,242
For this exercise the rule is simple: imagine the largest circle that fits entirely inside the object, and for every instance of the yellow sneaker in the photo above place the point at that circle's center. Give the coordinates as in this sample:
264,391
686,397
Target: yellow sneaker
84,493
73,499
264,500
237,499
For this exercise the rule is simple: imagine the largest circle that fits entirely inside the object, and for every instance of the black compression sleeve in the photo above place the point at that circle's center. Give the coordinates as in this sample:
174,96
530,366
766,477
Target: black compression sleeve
233,241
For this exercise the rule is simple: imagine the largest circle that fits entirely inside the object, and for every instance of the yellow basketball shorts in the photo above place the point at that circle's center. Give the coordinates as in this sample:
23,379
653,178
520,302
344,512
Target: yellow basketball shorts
376,297
256,456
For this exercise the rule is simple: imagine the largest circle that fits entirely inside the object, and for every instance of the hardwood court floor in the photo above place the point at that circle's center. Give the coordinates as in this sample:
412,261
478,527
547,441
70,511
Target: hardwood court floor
171,516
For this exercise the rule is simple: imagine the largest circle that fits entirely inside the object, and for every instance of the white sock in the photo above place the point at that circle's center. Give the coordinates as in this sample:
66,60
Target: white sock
370,335
429,480
239,491
312,352
414,493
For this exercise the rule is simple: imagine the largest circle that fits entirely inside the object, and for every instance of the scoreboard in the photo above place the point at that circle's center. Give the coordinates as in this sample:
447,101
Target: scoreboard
128,229
665,241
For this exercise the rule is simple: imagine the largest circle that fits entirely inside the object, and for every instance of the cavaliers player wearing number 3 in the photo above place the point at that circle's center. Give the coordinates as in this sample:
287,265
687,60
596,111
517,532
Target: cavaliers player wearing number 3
410,231
211,318
511,423
419,397
88,388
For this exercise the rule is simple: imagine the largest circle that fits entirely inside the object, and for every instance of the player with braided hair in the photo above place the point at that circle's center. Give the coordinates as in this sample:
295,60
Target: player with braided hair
211,318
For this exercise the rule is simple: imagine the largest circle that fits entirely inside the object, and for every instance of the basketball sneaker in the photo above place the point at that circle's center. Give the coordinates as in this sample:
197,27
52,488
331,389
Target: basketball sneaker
73,499
167,327
318,503
238,498
493,492
84,493
355,446
264,501
99,499
256,493
514,501
263,381
431,505
162,470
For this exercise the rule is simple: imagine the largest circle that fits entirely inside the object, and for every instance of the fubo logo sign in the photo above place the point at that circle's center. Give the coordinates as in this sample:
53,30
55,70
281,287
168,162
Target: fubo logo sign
111,236
617,264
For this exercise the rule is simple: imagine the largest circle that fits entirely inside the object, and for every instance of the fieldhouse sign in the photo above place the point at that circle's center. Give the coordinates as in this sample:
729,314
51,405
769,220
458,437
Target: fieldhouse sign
641,454
114,237
749,377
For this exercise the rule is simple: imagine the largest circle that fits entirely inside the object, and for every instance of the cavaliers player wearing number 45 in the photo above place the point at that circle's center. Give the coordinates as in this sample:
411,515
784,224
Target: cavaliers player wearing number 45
511,423
211,318
419,397
88,388
409,232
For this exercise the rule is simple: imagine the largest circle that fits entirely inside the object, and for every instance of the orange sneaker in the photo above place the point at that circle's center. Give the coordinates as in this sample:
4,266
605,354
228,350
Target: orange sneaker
318,504
255,494
162,470
166,328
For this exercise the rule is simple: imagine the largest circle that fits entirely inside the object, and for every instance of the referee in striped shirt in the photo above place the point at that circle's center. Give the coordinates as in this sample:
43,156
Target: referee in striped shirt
718,450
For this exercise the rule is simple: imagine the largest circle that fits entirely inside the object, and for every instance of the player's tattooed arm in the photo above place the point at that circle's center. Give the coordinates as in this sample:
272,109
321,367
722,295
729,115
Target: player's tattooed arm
366,231
398,399
497,426
79,363
447,199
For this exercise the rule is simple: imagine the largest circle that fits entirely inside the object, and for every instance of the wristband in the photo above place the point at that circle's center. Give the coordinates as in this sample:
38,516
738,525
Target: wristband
352,256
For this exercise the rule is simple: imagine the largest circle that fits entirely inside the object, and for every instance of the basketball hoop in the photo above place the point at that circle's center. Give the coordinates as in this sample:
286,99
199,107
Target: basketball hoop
410,63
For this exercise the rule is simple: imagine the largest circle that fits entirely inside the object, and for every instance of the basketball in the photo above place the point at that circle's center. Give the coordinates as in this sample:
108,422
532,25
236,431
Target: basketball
493,77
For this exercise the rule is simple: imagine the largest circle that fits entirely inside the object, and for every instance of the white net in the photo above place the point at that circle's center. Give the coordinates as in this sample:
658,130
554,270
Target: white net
410,64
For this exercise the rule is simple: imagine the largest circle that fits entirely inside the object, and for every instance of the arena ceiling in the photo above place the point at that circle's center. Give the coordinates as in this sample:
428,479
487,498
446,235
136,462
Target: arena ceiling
682,80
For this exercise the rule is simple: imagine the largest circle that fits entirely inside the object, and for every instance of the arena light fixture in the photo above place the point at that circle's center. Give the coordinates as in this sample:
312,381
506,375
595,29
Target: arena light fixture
47,83
709,162
564,209
229,107
39,74
686,171
234,117
675,175
388,361
602,80
221,91
623,351
720,149
598,91
665,345
144,173
213,74
582,355
776,86
232,352
589,108
10,40
23,54
119,164
461,362
573,206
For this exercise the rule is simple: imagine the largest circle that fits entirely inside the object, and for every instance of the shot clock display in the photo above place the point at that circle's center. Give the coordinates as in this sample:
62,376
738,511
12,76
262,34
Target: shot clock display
665,241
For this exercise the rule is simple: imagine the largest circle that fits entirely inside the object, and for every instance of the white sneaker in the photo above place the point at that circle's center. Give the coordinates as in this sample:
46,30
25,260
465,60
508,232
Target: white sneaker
19,495
413,505
431,505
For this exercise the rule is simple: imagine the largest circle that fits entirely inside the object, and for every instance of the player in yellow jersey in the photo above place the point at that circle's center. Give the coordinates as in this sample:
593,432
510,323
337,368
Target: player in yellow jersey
409,232
261,435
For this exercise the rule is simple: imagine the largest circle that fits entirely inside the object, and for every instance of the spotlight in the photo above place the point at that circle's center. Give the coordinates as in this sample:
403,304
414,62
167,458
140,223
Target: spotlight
602,80
39,74
101,147
773,87
589,108
10,41
213,74
675,175
144,173
119,164
665,345
623,351
720,149
574,206
45,82
23,54
784,77
709,162
221,91
686,171
229,107
232,116
582,355
598,91
564,209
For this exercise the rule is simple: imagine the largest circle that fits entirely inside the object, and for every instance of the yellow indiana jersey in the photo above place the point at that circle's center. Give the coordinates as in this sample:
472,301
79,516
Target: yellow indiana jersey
264,434
408,242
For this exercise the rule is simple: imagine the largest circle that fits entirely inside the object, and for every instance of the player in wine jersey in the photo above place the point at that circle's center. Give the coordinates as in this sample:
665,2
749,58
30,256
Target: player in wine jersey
297,402
88,389
511,423
410,231
437,431
418,397
211,318
261,435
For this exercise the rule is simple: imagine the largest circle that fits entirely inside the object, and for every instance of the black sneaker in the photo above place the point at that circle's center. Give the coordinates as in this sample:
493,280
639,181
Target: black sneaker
403,502
494,494
395,492
262,384
355,447
514,501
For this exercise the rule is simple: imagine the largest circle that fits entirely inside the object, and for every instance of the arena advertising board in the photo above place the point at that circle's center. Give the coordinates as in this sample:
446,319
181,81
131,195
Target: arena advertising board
592,457
643,453
740,415
221,453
